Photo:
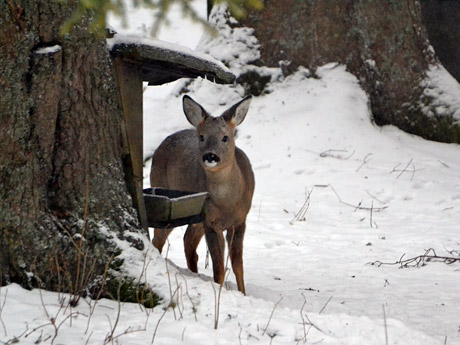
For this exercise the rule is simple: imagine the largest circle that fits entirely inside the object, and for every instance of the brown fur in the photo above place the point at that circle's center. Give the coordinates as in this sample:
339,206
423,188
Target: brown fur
185,161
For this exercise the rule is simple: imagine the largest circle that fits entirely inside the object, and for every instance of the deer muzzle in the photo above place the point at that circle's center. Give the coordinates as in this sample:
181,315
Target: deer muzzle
210,160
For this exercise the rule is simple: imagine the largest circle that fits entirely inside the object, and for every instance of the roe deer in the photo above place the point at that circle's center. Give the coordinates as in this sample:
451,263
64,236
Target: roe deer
206,159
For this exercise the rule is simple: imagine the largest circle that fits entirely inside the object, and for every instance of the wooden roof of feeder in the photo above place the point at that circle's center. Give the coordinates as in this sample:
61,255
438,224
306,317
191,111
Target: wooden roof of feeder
161,62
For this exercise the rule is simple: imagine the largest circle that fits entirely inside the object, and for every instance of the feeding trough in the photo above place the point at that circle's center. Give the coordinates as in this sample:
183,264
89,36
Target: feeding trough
170,208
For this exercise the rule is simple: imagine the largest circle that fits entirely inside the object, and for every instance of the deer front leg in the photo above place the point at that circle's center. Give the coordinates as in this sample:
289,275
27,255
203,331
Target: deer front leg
192,238
216,246
235,237
159,238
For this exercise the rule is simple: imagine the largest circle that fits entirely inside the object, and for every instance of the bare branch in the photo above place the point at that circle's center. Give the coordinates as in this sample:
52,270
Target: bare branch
162,316
227,271
421,260
357,207
169,282
271,315
300,216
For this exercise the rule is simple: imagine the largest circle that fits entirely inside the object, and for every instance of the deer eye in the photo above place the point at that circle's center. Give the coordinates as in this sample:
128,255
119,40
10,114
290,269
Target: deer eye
225,138
201,138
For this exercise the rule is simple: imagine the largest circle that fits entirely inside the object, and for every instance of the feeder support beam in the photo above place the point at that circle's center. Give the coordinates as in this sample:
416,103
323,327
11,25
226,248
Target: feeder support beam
130,82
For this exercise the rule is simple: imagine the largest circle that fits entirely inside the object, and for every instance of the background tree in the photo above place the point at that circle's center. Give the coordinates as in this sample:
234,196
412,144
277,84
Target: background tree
442,18
383,43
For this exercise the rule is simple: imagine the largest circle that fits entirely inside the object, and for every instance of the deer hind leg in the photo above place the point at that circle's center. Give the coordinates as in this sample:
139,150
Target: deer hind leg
216,246
192,238
159,238
235,237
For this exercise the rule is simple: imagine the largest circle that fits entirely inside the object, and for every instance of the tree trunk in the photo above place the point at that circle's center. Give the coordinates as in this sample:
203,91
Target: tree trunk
442,21
63,199
383,43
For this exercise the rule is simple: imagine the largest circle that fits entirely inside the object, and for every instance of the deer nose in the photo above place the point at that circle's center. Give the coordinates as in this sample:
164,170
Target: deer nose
210,159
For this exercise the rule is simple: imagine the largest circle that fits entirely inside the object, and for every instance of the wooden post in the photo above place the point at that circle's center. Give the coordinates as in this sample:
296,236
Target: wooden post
130,82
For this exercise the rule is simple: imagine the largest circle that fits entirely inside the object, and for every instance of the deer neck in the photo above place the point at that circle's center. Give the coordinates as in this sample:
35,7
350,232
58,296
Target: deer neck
225,185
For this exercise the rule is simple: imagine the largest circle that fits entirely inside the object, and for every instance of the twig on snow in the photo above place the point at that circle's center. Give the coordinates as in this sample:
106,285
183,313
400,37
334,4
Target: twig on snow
385,325
110,336
325,305
421,260
239,335
169,282
194,308
370,218
271,315
92,306
443,164
366,159
402,171
336,154
162,316
374,197
300,216
305,333
357,207
227,271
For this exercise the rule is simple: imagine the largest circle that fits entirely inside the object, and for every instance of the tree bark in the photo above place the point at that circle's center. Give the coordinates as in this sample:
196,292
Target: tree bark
63,199
383,43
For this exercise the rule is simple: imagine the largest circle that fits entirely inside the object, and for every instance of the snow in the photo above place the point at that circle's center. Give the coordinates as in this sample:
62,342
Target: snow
160,45
48,50
309,280
444,89
235,46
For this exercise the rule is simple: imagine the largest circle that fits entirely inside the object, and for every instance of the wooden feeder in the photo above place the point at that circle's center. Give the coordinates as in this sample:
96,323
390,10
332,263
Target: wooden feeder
170,208
142,60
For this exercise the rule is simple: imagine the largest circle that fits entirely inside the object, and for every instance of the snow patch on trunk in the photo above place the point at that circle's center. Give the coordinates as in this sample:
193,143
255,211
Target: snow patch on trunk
443,91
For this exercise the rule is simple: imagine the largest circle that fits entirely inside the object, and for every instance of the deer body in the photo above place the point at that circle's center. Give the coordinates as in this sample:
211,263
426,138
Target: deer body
206,159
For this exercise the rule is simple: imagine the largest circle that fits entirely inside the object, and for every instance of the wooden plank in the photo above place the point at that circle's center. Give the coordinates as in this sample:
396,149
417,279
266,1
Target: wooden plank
162,64
130,82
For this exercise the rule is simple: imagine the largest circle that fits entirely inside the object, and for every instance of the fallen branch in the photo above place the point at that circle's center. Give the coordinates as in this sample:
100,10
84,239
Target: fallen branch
357,207
422,260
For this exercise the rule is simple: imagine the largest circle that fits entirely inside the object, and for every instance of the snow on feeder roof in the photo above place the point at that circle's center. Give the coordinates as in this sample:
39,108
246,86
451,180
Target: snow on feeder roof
162,62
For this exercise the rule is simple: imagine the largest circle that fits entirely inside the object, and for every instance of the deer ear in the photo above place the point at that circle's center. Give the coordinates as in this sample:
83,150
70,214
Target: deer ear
194,112
237,112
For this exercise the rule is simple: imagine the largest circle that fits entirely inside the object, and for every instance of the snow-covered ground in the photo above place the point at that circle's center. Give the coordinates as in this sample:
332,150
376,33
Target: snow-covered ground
365,194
